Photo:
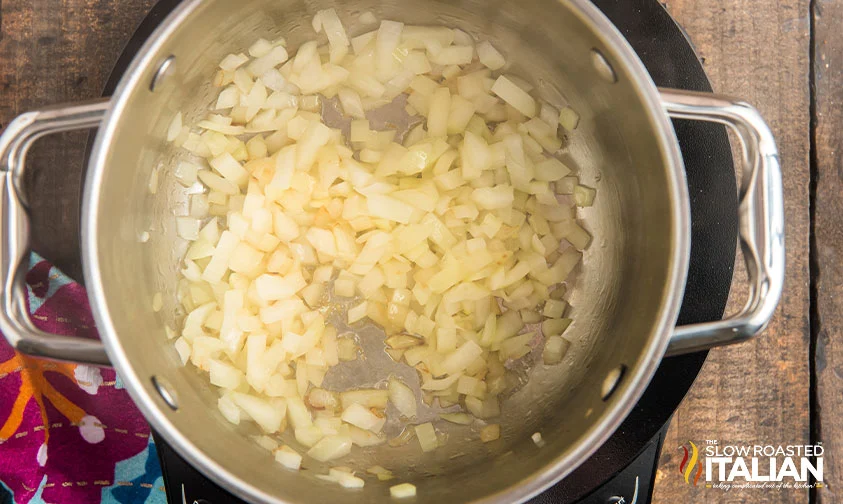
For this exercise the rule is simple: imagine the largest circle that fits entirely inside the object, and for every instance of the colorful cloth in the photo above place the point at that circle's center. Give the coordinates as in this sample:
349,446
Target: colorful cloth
69,433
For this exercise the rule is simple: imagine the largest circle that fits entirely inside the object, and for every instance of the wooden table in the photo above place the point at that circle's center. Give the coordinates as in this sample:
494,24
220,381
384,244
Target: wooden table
783,388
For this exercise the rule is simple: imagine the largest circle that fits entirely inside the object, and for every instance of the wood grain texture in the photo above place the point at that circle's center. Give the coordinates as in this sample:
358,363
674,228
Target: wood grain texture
828,236
54,52
757,392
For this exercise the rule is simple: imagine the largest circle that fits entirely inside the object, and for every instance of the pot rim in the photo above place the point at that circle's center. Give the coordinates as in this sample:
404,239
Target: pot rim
618,50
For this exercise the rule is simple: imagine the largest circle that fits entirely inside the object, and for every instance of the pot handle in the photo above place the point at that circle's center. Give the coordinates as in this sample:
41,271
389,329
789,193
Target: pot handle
15,323
761,218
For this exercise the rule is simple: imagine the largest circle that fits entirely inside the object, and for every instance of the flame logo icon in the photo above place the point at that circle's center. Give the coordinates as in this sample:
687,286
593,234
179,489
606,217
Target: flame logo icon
690,461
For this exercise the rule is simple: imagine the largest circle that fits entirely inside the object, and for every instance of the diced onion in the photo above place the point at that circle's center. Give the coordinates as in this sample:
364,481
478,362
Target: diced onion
457,418
555,327
584,196
337,37
233,61
367,18
265,413
330,448
490,433
403,398
489,56
187,228
259,48
569,119
426,435
273,58
288,457
515,96
450,238
402,491
229,410
382,473
369,398
342,476
175,127
555,349
359,416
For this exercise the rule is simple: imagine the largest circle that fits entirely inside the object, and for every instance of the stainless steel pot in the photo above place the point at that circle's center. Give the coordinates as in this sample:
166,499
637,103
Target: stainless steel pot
625,301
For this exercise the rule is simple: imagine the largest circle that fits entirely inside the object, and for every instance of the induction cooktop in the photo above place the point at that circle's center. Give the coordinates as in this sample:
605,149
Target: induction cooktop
623,469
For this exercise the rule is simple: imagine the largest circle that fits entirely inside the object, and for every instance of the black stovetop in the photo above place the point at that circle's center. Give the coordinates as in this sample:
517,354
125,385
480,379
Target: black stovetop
623,469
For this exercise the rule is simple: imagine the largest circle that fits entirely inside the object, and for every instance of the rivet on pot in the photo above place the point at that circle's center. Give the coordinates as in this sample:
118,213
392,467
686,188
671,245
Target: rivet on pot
603,67
165,390
611,382
166,69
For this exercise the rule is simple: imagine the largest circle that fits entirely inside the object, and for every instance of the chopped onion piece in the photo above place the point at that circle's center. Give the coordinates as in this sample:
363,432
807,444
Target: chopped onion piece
350,481
266,414
388,38
555,327
554,308
440,384
358,312
569,119
403,398
351,103
402,439
260,47
402,491
153,180
490,433
343,476
273,58
229,410
182,346
157,302
337,37
365,438
369,398
454,55
492,198
233,62
489,56
550,170
187,228
584,196
483,409
360,42
388,208
382,473
175,127
288,457
461,358
555,349
439,108
427,436
230,169
367,18
331,448
361,417
515,96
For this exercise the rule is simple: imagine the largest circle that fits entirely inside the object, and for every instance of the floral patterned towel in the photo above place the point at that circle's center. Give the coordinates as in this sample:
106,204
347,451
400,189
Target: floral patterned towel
69,433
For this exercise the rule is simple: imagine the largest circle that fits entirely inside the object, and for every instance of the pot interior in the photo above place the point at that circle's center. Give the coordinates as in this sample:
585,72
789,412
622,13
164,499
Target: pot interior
620,301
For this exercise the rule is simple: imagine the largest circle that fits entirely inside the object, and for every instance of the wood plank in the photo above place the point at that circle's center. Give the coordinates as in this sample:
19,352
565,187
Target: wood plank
828,236
53,53
756,392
